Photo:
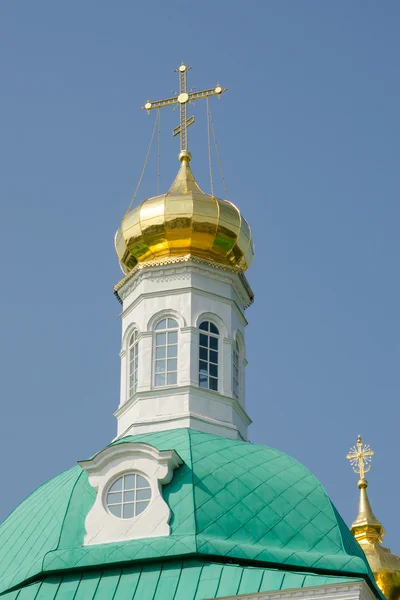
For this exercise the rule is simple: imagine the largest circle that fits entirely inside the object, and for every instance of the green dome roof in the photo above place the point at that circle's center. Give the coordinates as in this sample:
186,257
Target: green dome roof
230,500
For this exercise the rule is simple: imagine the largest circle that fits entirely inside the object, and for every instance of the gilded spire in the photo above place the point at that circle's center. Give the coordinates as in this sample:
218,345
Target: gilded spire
369,532
366,528
184,181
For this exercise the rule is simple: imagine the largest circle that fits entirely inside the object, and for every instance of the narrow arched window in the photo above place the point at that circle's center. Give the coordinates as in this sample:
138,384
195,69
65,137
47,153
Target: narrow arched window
208,355
166,352
236,370
133,354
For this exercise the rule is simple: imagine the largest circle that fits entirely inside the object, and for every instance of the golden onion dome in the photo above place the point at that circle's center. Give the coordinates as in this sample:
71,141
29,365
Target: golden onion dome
184,221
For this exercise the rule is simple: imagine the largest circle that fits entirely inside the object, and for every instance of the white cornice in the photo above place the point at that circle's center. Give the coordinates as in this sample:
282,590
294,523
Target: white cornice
95,464
188,258
357,590
189,329
179,417
183,270
141,396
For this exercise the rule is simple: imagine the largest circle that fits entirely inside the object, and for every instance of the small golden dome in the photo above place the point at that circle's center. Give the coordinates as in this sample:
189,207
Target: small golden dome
184,221
369,532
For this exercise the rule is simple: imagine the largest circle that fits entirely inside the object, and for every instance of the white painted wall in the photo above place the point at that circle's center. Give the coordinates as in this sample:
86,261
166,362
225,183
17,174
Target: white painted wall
190,292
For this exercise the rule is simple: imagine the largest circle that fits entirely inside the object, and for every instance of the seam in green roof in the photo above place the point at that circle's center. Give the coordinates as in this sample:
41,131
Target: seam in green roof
66,511
191,466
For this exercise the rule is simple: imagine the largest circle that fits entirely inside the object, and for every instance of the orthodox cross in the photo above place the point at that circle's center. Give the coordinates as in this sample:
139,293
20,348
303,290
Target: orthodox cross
360,457
183,99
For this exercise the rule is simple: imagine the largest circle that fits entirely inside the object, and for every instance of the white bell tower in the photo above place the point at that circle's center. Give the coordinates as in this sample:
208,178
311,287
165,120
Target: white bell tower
184,253
183,354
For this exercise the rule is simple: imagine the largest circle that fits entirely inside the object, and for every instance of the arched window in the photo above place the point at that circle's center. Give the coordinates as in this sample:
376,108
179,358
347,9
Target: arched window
236,370
166,352
208,356
133,353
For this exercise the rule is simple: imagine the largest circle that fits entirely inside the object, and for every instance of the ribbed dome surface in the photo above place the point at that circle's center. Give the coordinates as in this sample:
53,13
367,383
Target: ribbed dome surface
184,221
232,499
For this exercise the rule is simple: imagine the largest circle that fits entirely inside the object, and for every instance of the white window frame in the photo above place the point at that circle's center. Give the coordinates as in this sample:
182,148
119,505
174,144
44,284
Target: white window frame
170,348
133,345
135,497
207,360
236,371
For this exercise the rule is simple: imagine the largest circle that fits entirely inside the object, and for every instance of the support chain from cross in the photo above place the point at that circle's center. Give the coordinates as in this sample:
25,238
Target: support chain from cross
183,99
360,457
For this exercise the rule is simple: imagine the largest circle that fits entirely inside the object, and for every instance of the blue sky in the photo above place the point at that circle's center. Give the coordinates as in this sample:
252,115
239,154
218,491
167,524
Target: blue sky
309,139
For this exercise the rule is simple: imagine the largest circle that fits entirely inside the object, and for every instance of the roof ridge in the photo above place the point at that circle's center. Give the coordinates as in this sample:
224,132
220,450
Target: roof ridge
66,512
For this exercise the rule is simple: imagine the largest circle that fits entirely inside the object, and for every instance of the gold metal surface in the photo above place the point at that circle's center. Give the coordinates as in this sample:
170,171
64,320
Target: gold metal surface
369,532
184,221
183,99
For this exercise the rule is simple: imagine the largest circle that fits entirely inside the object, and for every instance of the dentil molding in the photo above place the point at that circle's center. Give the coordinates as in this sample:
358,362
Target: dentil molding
179,271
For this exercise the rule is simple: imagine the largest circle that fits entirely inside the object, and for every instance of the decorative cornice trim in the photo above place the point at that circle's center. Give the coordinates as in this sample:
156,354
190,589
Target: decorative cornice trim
141,396
179,417
183,415
189,329
95,464
122,289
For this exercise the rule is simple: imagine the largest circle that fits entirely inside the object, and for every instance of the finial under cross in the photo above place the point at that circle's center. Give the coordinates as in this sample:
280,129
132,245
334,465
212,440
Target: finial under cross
183,99
360,457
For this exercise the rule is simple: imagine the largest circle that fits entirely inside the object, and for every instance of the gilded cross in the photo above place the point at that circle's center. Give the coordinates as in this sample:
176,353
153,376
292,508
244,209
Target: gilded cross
183,99
360,457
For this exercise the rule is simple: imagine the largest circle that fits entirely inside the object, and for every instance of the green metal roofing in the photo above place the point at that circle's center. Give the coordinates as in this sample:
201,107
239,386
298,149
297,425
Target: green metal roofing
229,499
174,580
